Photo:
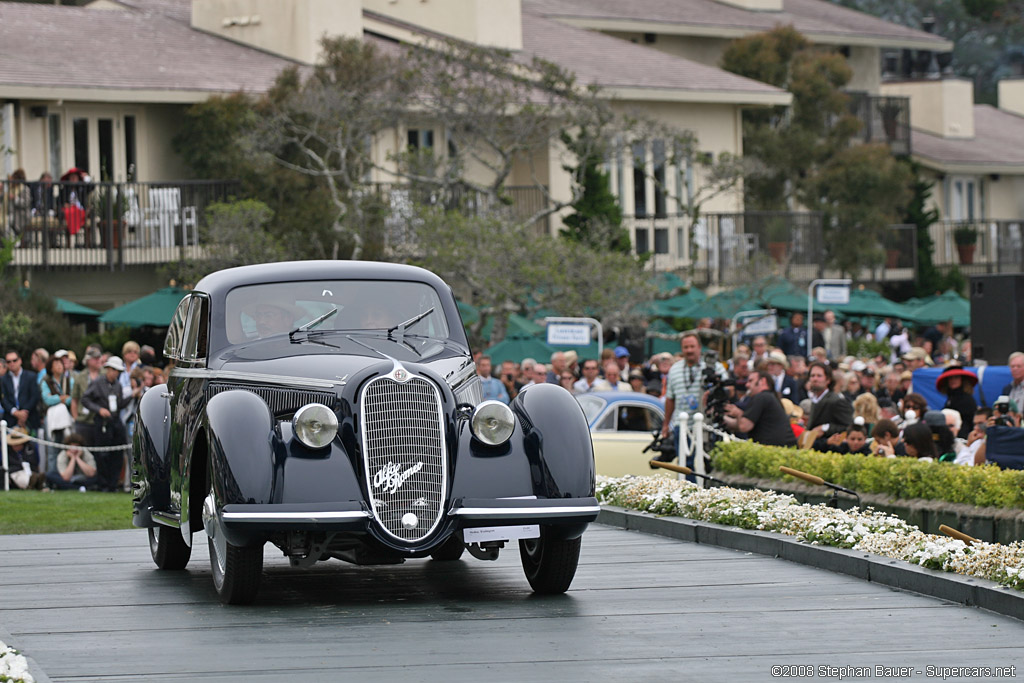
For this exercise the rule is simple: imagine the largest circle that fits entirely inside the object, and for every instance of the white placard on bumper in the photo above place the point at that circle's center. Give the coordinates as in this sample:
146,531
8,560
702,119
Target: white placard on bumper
501,533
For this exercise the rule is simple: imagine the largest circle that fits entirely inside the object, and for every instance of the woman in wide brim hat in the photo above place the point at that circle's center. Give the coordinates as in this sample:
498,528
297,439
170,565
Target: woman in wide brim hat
958,386
74,170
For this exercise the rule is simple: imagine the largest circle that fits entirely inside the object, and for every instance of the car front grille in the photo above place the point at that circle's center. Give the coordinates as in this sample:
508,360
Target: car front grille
404,455
281,401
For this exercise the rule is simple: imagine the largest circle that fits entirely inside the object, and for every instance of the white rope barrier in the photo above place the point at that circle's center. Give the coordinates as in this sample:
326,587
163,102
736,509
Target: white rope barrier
44,442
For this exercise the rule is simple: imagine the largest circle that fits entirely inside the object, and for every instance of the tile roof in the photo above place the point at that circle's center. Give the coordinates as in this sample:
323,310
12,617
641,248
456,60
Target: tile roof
179,10
817,17
996,142
73,47
610,62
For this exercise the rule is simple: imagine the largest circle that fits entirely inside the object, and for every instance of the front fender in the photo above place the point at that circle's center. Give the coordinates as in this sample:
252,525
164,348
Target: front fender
151,470
556,440
241,449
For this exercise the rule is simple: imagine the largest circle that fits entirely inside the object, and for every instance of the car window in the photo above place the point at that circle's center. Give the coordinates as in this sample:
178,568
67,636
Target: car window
193,348
266,310
633,418
591,405
175,333
606,423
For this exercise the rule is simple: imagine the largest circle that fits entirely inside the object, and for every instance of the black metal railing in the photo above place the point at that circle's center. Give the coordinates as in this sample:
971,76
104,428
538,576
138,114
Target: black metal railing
104,224
997,246
883,119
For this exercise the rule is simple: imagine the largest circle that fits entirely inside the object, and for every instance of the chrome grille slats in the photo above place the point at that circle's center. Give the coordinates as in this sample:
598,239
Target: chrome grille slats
281,401
402,427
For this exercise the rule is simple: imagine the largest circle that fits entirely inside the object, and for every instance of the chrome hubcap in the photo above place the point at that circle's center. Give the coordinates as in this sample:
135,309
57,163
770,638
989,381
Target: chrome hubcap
211,524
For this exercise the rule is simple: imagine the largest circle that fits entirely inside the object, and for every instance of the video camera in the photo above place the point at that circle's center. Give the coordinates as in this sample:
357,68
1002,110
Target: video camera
718,396
1001,412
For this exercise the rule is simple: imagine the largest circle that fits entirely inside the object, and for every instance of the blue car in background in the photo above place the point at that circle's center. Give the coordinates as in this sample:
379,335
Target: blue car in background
622,424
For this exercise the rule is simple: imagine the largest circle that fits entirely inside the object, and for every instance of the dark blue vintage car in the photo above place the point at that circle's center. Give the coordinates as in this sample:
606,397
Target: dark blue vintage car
332,408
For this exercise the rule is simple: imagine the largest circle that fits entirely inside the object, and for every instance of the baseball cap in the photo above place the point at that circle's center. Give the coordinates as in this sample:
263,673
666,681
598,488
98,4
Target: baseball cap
93,353
858,366
934,418
621,352
60,353
115,363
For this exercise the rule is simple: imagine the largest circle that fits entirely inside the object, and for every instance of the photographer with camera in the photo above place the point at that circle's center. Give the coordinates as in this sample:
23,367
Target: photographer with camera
764,419
685,385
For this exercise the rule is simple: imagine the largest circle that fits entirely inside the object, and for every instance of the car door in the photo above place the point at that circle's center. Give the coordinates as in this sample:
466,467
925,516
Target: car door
620,436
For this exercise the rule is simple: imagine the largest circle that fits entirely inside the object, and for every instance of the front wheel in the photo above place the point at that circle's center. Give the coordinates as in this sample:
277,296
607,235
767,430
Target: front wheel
450,550
168,548
550,564
236,569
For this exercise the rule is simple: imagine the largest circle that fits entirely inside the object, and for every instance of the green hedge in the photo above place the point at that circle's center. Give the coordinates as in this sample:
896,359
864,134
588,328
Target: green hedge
898,477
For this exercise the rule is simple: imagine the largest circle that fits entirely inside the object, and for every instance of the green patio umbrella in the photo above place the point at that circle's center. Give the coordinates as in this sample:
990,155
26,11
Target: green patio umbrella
656,344
666,282
516,348
470,314
672,307
758,295
947,306
71,308
518,326
154,310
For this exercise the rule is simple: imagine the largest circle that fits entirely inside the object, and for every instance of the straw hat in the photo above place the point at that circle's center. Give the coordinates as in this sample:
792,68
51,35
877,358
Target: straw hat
17,436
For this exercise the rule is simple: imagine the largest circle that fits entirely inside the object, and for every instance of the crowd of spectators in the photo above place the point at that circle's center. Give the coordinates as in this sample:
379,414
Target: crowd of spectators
69,423
824,398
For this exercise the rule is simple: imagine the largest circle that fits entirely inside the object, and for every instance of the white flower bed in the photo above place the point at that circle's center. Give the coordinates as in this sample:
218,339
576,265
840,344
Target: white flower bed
13,666
866,530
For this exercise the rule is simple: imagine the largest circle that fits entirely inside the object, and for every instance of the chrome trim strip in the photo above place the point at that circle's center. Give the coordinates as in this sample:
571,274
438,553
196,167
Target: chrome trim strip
460,376
525,512
166,518
292,516
202,373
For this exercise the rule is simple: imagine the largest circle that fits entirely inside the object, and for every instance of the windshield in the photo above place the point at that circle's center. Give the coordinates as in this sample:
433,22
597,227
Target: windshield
592,405
263,311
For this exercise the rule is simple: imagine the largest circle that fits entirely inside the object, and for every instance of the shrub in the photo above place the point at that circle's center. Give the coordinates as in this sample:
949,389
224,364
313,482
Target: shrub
985,485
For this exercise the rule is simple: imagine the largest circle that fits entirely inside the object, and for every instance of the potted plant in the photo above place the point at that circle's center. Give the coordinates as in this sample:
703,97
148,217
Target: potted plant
111,205
965,237
777,236
890,109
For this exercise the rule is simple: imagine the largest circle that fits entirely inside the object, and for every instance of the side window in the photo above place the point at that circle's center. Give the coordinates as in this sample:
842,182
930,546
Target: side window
193,348
638,419
606,423
175,333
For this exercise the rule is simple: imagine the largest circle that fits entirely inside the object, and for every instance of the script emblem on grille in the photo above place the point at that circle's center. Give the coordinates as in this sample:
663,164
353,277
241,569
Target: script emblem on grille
391,477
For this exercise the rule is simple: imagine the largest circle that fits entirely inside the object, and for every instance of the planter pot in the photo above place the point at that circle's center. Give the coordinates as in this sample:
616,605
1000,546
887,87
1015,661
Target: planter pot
966,252
110,232
778,250
892,258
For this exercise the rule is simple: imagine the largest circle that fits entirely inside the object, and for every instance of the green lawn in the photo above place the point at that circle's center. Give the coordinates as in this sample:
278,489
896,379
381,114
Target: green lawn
38,512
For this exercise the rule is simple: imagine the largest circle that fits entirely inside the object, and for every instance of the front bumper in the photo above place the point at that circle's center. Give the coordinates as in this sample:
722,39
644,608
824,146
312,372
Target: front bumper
355,516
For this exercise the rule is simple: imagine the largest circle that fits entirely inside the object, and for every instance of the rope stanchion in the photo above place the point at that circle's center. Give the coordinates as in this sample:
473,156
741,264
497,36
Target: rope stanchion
55,444
3,451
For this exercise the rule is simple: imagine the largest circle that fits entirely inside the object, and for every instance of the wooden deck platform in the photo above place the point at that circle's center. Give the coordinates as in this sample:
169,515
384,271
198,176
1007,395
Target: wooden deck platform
92,607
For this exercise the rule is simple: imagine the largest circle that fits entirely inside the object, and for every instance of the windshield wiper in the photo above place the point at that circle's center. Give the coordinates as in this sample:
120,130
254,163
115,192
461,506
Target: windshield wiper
312,323
402,327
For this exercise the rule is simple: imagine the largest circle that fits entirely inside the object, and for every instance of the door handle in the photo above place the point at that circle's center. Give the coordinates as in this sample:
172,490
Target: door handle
167,395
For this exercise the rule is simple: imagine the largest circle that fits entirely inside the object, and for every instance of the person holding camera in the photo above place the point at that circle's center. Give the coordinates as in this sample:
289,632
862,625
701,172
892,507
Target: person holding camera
764,420
684,386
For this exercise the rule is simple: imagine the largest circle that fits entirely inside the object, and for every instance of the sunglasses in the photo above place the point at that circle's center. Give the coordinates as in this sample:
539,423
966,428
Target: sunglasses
12,360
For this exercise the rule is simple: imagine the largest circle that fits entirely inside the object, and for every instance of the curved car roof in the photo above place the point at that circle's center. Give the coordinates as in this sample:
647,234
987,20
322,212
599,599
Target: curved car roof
219,283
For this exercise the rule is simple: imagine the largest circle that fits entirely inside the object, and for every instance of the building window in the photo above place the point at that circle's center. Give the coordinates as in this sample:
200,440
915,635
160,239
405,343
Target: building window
658,152
639,182
642,246
420,138
55,147
129,148
660,241
80,140
963,199
105,135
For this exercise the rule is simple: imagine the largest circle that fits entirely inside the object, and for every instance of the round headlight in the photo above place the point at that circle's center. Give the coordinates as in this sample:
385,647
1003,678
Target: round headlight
493,422
315,425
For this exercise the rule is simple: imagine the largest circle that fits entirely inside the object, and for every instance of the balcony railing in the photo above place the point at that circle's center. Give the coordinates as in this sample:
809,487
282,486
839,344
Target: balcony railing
107,225
998,248
883,119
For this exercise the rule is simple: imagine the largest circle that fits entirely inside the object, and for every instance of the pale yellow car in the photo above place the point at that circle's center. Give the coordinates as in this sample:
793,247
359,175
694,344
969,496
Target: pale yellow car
622,424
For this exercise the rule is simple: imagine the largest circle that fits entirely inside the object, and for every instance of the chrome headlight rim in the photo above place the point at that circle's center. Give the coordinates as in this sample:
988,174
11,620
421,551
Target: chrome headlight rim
499,426
315,425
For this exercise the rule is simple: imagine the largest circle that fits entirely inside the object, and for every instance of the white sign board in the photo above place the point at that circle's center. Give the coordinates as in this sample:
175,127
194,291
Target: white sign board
568,334
768,324
833,294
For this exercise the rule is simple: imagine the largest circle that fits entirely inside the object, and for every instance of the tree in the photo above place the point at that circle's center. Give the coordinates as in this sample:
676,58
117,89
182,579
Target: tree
862,191
787,146
596,219
500,263
929,279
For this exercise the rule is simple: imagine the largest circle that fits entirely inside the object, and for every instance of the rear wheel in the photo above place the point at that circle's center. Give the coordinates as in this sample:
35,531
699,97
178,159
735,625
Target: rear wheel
550,564
168,548
236,569
450,550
